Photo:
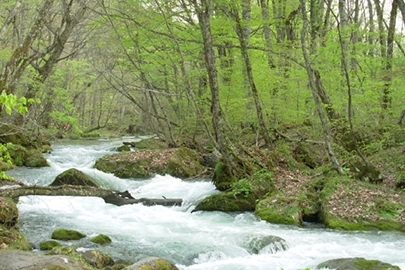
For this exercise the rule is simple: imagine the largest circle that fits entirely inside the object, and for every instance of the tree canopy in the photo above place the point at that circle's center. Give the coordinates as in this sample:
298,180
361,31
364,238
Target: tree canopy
221,73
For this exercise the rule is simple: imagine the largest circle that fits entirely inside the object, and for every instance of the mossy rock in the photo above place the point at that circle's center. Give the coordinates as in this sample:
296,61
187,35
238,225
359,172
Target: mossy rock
35,159
356,264
97,258
221,178
151,144
49,245
227,202
184,163
14,239
101,239
152,263
21,156
71,252
73,177
124,148
178,162
279,209
8,212
350,204
18,154
65,234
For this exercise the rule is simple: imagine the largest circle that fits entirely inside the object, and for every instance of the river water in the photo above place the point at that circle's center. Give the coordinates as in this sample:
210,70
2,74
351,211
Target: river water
192,240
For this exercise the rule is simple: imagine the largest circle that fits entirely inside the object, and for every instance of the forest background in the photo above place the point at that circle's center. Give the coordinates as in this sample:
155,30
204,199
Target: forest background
230,75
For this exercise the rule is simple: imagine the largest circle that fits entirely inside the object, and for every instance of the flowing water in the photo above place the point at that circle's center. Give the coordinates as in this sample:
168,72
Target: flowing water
193,240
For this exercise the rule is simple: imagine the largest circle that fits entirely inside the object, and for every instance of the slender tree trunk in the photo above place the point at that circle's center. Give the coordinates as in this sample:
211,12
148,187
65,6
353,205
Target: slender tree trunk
21,58
267,32
313,85
249,74
387,100
10,18
204,13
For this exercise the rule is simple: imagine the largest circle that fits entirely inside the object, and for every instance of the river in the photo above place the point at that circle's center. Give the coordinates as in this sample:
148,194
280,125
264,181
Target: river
192,240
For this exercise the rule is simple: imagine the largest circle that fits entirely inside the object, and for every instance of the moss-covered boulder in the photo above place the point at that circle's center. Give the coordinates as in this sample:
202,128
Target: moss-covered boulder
354,205
356,264
73,177
179,162
35,159
97,258
124,148
279,208
21,156
49,245
8,212
101,239
242,195
152,263
65,234
227,202
221,179
151,144
12,238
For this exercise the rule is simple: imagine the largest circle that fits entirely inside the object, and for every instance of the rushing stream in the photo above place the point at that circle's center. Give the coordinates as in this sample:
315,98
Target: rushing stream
193,240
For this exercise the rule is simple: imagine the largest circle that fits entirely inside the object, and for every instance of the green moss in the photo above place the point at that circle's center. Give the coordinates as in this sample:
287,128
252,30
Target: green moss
357,263
65,234
8,212
279,209
151,143
14,239
358,224
35,159
101,239
184,163
159,264
227,202
73,177
49,245
221,178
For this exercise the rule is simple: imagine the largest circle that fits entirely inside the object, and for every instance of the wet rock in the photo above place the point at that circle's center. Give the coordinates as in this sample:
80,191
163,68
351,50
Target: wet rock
101,239
17,259
357,264
49,245
65,234
73,177
267,244
152,263
96,258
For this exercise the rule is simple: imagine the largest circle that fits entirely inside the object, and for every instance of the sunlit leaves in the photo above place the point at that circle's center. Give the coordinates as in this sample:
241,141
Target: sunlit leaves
11,101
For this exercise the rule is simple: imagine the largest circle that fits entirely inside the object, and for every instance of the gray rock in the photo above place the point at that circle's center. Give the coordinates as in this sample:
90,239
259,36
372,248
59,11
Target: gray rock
268,244
17,259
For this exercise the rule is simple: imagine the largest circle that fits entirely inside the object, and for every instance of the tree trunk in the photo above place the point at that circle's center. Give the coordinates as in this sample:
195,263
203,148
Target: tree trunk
204,14
109,196
313,81
249,74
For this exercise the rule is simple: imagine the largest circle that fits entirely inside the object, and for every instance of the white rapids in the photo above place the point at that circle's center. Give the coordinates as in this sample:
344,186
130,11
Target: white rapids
192,240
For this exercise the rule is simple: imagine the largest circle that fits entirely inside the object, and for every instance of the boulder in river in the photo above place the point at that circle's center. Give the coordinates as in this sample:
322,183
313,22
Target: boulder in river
65,234
96,258
17,259
268,244
152,263
179,162
101,239
49,245
74,177
357,264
